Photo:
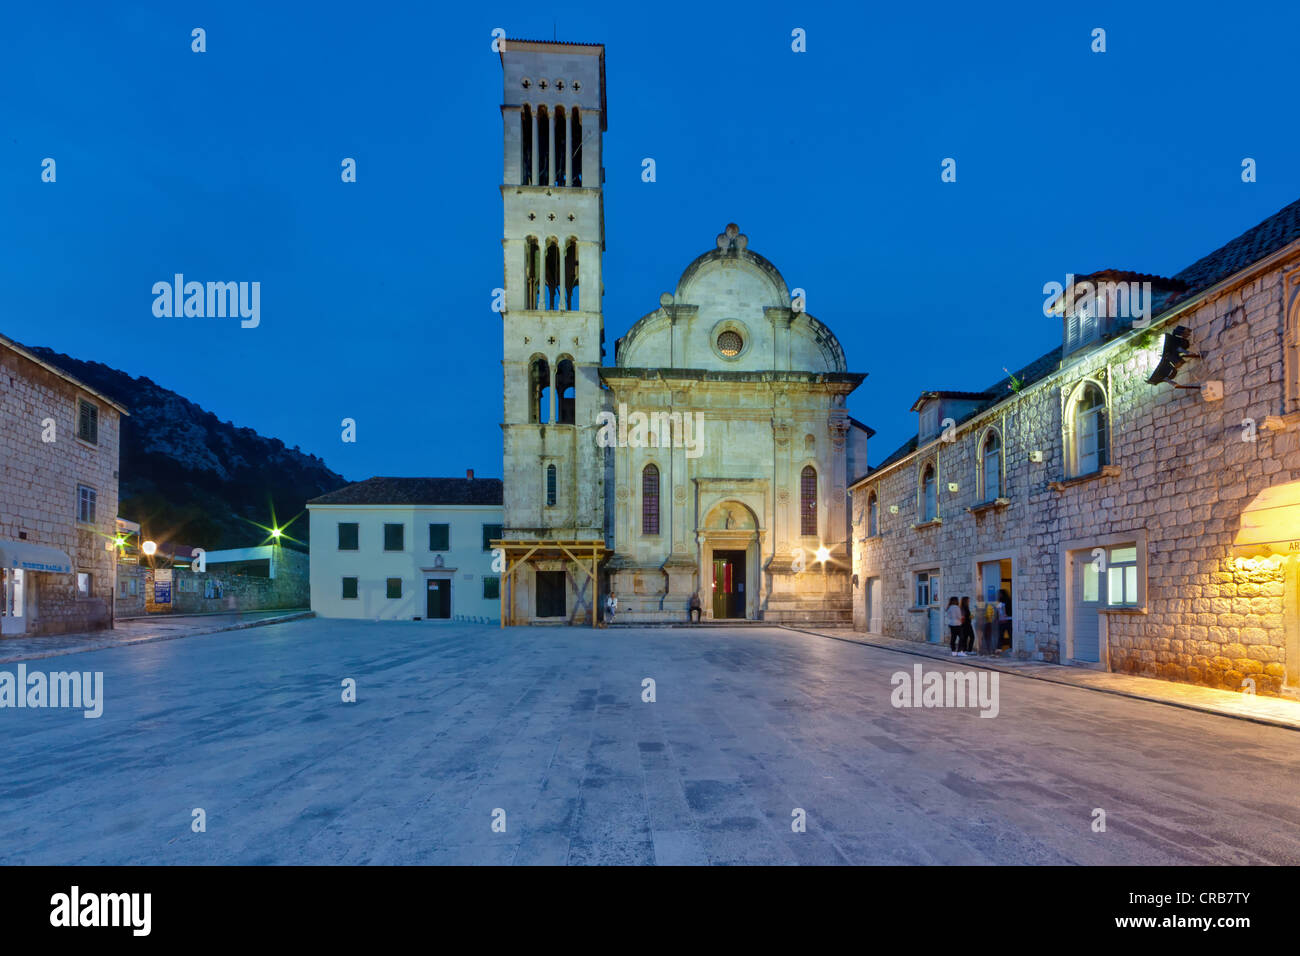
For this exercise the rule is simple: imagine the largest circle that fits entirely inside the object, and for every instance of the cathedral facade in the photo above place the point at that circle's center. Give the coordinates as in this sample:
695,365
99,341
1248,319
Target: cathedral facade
712,458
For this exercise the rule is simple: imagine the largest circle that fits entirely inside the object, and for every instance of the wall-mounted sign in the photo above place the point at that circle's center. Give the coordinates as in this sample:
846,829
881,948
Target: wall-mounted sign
162,586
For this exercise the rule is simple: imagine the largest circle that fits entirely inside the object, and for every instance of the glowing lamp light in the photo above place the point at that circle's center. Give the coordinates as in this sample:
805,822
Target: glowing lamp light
149,548
823,554
275,533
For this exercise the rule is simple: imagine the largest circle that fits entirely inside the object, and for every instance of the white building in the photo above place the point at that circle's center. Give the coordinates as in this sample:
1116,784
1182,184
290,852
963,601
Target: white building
403,549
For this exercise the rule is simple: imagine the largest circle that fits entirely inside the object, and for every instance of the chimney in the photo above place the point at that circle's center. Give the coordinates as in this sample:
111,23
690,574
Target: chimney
469,473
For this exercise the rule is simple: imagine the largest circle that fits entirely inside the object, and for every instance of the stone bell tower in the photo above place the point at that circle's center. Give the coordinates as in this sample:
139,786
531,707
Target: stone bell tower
553,116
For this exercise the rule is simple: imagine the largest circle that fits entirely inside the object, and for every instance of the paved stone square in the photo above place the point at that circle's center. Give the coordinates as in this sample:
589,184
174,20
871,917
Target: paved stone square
453,722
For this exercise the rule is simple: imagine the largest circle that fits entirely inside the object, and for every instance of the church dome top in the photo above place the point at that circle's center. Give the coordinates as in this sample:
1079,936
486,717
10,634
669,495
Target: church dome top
731,310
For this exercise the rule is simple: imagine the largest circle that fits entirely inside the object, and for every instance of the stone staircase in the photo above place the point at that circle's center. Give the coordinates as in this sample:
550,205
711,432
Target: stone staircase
822,611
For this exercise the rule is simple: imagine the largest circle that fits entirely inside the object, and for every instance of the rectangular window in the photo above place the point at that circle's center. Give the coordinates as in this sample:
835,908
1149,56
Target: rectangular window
349,536
394,587
439,537
491,588
88,421
923,589
349,589
84,584
394,537
1122,577
490,531
86,504
121,587
1091,583
929,420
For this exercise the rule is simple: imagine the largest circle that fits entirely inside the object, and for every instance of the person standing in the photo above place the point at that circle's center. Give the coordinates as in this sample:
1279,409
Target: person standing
967,630
954,625
693,610
990,617
1004,620
611,606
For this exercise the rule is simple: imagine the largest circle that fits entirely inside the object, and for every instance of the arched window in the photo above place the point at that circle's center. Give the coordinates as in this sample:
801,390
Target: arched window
650,500
539,391
577,147
571,275
543,145
561,144
550,486
551,295
532,267
1089,446
526,145
873,516
808,502
991,465
564,387
929,495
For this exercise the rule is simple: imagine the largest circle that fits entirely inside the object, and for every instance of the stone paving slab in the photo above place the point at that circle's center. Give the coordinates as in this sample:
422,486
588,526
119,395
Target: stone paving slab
139,630
751,728
1274,711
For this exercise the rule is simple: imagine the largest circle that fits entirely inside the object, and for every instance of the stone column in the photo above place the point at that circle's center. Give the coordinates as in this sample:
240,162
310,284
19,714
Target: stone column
539,293
550,373
550,147
835,513
568,146
563,292
533,133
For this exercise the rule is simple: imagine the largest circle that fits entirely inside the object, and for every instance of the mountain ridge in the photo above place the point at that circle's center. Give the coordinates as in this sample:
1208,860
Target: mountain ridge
189,477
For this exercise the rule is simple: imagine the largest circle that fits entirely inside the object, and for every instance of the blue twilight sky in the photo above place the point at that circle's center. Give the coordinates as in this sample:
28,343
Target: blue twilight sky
376,295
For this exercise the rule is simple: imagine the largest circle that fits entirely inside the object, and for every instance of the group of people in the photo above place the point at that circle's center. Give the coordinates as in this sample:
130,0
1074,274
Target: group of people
997,621
996,636
694,609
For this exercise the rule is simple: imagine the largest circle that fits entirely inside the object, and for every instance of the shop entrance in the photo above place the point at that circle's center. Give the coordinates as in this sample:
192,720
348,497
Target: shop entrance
13,611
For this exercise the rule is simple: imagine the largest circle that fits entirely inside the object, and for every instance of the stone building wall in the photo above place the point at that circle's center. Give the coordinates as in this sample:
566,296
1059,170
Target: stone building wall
738,490
1182,470
38,491
191,593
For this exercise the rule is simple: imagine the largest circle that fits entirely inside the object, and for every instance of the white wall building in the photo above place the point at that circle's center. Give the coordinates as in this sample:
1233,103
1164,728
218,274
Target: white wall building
403,549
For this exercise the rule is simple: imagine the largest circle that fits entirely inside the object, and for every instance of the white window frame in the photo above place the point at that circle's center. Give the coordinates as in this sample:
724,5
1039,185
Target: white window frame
86,495
928,575
985,494
929,513
1074,437
1111,566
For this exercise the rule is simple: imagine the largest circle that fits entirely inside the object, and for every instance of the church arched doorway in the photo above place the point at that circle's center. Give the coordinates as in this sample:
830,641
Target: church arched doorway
729,562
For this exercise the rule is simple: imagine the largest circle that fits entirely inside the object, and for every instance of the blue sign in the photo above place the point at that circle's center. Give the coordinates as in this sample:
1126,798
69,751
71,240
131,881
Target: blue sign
162,586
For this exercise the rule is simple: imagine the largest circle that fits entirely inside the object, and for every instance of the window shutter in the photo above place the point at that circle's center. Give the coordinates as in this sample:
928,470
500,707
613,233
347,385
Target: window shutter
1071,333
1087,328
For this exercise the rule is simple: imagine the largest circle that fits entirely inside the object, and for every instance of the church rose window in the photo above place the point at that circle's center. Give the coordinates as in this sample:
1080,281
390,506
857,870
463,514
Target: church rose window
730,343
